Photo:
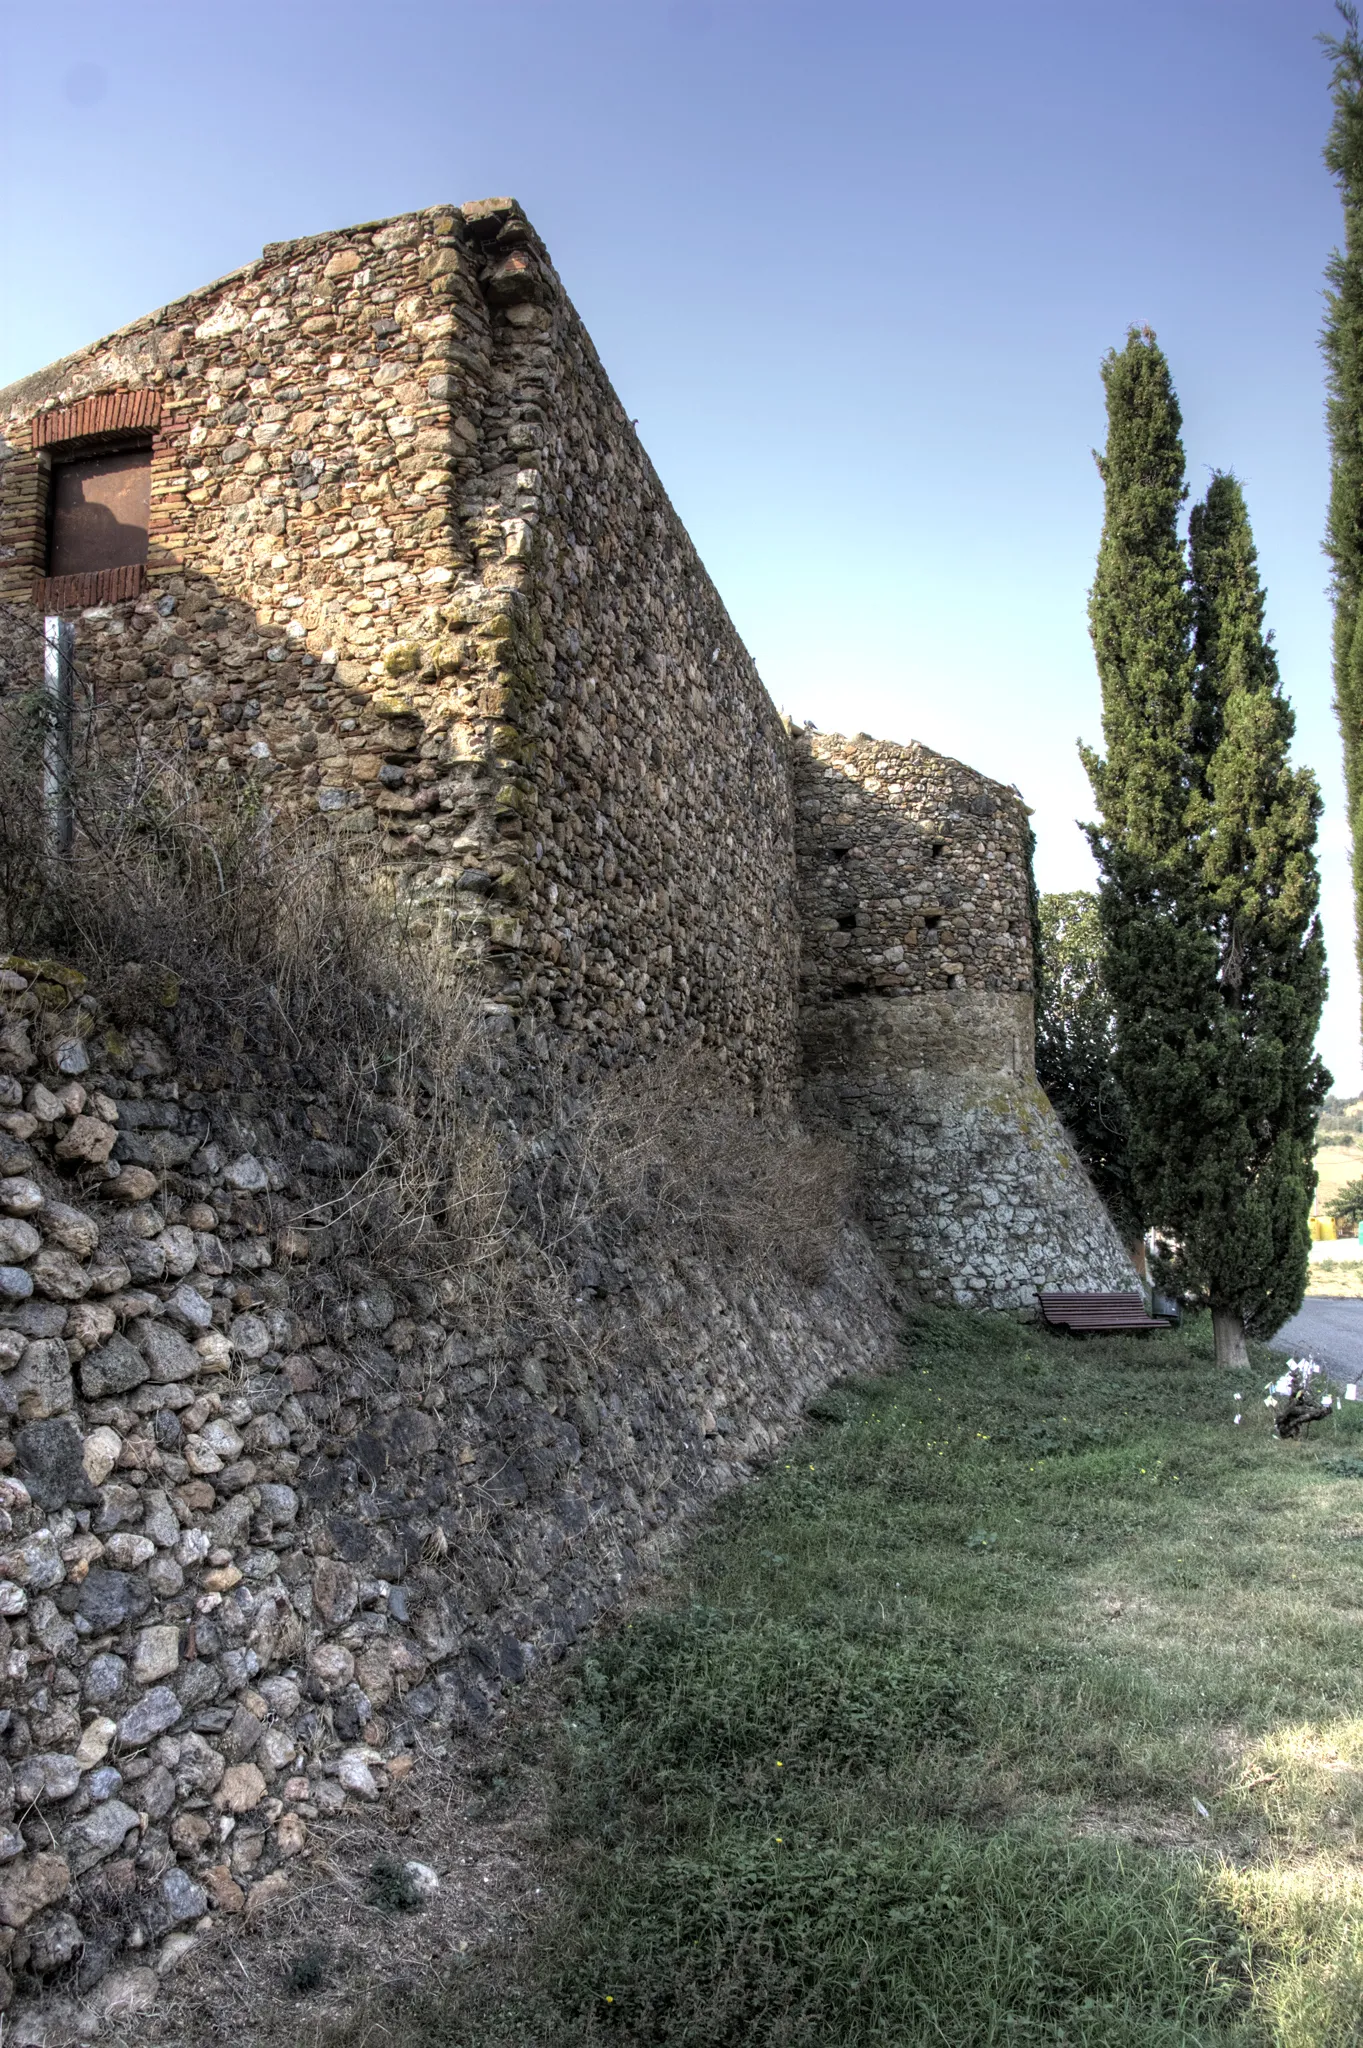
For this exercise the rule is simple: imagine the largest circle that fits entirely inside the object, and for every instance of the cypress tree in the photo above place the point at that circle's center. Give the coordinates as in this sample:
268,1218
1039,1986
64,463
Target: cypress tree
1140,618
1237,1186
1140,612
1212,948
1342,340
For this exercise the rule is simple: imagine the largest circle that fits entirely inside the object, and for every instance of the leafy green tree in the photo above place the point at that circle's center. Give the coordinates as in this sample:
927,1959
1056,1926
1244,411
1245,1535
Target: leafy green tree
1208,894
1347,1205
1076,1045
1342,340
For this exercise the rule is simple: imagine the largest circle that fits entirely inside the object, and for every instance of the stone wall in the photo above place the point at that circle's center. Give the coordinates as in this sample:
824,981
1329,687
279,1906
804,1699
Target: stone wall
274,1520
918,1028
274,1525
410,570
914,872
410,567
661,892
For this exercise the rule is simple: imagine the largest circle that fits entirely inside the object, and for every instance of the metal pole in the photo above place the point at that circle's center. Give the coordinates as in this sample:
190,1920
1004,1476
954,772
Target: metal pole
59,653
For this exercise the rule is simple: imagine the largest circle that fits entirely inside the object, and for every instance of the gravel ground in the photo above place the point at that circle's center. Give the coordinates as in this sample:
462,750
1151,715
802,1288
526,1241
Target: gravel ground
476,1819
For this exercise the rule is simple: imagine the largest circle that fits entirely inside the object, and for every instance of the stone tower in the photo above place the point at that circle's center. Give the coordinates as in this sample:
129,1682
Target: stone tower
918,1029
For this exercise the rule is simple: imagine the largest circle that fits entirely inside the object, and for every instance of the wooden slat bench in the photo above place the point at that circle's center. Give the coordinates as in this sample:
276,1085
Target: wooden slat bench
1091,1314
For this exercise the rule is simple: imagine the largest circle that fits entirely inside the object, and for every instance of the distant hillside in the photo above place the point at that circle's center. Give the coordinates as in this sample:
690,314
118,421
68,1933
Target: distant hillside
1341,1116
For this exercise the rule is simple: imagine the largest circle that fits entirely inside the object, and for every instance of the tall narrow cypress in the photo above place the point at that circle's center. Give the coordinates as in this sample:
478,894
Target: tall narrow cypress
1140,611
1342,340
1212,947
1140,617
1237,1187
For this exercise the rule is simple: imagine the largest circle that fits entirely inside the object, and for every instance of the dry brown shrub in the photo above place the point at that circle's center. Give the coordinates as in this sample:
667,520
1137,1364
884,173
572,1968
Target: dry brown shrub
503,1176
671,1152
24,728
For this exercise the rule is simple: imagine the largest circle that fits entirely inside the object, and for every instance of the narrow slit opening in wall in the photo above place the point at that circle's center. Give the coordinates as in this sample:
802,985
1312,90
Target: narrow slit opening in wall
938,848
931,924
847,921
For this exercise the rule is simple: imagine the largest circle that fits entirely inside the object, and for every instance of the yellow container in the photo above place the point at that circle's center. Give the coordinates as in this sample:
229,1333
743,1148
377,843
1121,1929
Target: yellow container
1323,1229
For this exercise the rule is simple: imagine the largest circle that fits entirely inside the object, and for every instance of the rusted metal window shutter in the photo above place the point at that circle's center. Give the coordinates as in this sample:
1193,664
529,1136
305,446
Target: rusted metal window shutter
100,505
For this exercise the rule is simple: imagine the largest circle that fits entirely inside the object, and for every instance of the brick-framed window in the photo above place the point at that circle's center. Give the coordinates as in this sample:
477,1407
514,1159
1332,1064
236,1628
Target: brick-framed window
98,498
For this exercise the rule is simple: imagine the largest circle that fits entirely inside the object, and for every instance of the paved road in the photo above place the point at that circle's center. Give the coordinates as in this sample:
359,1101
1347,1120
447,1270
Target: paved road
1331,1332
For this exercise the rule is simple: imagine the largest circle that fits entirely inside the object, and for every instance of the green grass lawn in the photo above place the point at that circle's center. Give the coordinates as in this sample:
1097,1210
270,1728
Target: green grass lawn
1021,1702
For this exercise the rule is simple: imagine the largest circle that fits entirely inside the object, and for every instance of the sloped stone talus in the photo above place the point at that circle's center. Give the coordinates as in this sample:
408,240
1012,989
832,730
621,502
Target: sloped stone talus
972,1191
918,1029
275,1525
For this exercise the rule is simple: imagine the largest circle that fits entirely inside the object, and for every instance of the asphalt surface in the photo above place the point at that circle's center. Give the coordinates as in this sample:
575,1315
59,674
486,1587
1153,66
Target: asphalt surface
1331,1332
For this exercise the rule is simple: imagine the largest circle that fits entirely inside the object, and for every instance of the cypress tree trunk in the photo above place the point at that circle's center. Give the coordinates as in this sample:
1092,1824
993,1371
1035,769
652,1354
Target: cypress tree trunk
1228,1336
1342,340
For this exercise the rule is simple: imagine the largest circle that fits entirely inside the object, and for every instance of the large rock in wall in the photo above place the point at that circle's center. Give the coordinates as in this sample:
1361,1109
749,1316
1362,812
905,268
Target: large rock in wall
918,1028
273,1523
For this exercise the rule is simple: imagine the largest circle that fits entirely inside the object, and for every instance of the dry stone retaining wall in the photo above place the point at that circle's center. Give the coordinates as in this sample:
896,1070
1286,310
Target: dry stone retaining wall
273,1524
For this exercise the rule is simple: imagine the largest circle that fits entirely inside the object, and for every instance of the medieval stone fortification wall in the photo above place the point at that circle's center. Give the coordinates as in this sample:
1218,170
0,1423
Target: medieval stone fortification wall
918,1027
409,566
273,1518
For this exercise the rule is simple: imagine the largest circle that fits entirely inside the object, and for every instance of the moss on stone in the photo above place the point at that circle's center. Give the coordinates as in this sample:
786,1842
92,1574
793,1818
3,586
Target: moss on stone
393,704
404,659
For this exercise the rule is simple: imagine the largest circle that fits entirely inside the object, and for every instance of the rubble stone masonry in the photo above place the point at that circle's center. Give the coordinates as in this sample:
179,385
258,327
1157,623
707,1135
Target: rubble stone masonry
409,566
918,1027
276,1526
410,572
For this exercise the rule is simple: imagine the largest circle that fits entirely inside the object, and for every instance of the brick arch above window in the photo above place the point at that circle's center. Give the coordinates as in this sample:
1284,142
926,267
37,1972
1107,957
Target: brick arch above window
112,412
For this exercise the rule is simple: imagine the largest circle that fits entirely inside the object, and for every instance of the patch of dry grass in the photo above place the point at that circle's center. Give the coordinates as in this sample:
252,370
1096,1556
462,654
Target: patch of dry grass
1336,1166
1335,1279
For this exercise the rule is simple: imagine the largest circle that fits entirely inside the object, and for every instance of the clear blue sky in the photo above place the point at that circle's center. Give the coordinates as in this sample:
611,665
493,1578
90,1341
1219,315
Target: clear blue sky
853,268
